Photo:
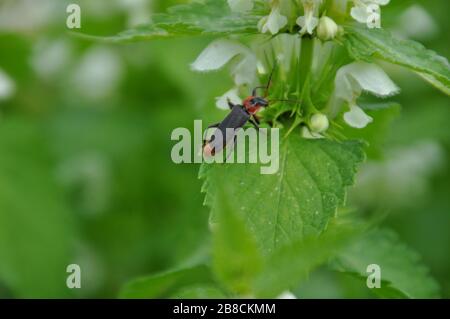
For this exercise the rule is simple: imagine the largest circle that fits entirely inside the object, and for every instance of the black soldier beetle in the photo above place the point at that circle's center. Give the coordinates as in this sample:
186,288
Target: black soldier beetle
240,114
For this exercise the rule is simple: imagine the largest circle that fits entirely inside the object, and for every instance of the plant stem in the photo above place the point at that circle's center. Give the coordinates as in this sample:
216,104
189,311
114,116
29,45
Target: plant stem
306,60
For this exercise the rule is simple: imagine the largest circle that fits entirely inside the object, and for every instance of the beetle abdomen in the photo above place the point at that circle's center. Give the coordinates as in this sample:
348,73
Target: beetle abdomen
234,121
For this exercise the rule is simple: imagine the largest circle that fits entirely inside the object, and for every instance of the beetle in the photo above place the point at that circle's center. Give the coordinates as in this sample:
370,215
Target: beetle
240,114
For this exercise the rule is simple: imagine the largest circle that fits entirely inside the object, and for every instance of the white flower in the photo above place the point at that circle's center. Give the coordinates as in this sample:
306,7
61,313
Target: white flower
356,117
220,52
274,22
309,21
352,79
327,29
368,11
232,96
7,86
240,5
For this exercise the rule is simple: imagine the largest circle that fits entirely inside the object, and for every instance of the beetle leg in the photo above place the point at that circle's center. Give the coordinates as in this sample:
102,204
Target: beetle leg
254,124
256,118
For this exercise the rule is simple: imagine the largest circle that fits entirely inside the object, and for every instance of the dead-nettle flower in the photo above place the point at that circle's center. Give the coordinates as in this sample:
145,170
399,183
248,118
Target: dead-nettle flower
368,12
275,21
310,20
221,52
351,80
240,5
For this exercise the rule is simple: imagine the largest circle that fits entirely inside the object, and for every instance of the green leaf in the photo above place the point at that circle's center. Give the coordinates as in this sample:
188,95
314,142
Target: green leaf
236,256
366,44
289,265
36,228
297,201
400,266
167,283
212,17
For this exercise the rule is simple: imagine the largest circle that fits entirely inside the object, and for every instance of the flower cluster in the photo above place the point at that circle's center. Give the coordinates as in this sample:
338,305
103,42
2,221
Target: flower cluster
363,11
288,50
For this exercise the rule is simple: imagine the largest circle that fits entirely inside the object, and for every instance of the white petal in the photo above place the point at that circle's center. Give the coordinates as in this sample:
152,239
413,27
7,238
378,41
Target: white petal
359,13
274,22
356,117
245,71
374,21
232,95
312,24
240,5
7,86
355,77
217,54
309,21
301,21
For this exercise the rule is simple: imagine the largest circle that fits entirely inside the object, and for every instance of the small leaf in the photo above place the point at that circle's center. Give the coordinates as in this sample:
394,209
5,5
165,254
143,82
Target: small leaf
297,201
165,284
365,44
236,256
212,17
400,266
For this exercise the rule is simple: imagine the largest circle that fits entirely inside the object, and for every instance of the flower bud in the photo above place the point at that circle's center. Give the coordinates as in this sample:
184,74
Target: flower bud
327,29
319,123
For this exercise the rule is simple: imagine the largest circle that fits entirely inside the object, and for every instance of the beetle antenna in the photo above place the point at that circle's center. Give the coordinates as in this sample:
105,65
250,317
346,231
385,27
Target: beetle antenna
270,79
267,86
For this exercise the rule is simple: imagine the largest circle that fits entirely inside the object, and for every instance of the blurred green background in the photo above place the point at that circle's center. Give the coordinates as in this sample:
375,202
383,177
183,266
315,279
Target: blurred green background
85,169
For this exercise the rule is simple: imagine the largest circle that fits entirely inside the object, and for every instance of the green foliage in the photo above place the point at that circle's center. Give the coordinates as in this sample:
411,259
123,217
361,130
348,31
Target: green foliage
168,283
35,248
236,256
213,17
365,44
401,268
296,202
291,264
89,180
